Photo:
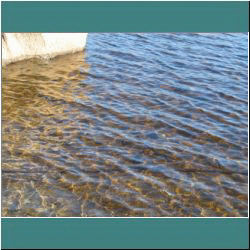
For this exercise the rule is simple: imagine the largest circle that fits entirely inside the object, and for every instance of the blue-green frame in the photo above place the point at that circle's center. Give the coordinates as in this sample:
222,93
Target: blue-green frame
125,233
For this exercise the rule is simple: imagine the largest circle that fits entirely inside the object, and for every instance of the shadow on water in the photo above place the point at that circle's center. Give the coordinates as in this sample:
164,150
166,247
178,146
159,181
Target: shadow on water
93,138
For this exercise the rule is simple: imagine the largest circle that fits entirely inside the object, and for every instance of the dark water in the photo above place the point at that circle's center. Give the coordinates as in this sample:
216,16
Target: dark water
137,125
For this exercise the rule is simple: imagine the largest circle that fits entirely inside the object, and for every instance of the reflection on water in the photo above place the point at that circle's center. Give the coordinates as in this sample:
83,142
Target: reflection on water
137,125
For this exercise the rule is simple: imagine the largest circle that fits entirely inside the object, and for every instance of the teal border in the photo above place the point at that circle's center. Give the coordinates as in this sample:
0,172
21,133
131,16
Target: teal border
104,233
125,16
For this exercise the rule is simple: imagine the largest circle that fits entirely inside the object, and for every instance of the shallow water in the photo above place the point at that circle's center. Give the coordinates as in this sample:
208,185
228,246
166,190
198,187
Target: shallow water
136,125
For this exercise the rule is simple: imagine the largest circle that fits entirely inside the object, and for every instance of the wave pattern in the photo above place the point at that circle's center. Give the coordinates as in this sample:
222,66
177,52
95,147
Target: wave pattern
138,125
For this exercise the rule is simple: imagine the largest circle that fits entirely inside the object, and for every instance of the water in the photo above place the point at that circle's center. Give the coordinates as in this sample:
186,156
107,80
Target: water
152,125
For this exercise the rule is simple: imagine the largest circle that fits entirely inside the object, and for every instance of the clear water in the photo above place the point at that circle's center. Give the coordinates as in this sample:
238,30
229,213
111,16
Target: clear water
136,125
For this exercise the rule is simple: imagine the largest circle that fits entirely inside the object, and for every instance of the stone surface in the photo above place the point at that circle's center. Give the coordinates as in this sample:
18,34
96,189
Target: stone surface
20,46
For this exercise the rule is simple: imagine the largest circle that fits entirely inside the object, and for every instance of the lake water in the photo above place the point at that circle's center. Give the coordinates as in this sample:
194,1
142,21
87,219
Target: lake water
151,125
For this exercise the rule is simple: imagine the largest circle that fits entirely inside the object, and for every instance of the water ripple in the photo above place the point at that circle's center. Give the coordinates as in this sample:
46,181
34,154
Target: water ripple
137,125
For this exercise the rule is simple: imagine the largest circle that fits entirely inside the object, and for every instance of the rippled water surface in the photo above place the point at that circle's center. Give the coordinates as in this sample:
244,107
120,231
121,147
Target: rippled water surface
136,125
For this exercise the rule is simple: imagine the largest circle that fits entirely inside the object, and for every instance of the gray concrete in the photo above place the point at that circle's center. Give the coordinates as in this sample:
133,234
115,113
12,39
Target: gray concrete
20,46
